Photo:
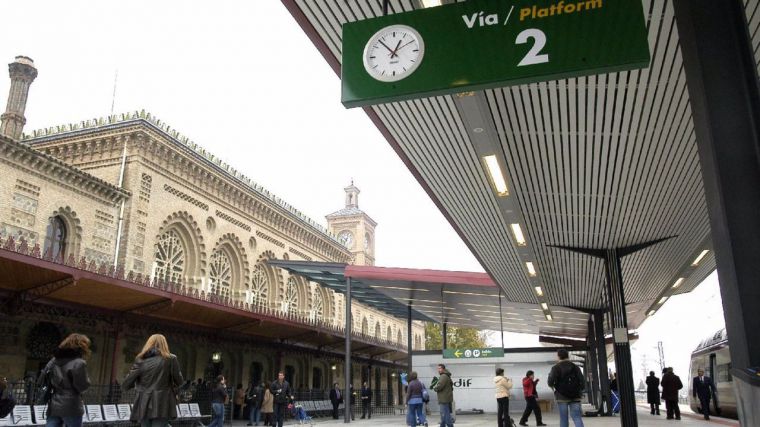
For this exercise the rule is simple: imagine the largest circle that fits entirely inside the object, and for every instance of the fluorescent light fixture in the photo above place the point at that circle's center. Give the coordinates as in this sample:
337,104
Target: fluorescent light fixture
545,306
699,258
519,236
539,291
497,177
431,3
651,313
531,269
662,300
677,282
549,317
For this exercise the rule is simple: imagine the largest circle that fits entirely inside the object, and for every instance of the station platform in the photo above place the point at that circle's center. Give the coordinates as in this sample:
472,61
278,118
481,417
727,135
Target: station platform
552,419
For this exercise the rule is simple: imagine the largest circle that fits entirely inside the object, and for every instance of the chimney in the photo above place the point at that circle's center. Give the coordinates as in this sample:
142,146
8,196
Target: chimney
22,74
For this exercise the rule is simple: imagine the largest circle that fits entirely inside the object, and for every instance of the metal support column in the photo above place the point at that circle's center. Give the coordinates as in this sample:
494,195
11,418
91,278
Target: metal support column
618,323
593,364
347,362
605,398
722,80
445,333
501,321
409,340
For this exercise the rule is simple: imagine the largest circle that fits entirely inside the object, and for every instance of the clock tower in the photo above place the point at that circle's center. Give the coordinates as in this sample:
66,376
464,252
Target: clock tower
354,228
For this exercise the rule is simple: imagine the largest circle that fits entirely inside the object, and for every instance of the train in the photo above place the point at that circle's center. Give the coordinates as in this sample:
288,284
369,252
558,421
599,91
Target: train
712,355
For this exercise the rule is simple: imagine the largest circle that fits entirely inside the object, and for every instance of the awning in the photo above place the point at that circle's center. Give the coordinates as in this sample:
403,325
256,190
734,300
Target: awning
460,299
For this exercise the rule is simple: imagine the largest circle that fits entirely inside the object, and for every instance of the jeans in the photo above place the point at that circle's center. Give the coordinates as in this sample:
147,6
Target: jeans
154,422
575,413
217,415
255,415
502,415
414,413
446,420
53,421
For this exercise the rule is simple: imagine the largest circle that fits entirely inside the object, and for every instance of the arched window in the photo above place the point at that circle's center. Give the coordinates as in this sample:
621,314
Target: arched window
318,307
365,326
259,287
55,239
399,338
389,334
290,303
377,330
220,274
170,258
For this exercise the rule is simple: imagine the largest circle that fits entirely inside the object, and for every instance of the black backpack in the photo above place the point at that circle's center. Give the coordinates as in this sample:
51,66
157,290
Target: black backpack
569,383
7,403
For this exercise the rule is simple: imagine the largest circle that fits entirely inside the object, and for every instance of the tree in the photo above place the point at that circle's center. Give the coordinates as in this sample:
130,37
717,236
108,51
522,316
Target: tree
456,337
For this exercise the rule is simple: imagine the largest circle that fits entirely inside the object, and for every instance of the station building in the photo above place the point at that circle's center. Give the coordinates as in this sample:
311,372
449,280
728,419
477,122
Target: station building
120,227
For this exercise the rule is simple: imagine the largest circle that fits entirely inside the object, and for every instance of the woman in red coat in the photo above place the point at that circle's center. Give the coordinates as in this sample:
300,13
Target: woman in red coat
531,400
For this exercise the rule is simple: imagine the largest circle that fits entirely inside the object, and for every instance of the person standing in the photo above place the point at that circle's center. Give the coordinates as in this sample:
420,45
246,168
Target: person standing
568,383
66,375
283,395
445,389
366,395
267,406
255,397
219,398
156,377
670,386
336,397
239,398
703,387
531,399
351,399
653,393
503,385
414,401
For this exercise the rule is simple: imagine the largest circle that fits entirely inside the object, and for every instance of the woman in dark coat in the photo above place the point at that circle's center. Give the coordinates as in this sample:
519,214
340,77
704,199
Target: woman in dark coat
66,375
653,393
156,376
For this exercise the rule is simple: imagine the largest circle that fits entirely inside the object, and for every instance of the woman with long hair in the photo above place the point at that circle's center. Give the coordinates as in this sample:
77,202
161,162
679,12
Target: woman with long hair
156,376
65,375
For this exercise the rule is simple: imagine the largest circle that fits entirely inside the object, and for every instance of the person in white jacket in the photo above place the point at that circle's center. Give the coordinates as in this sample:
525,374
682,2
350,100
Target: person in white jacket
503,385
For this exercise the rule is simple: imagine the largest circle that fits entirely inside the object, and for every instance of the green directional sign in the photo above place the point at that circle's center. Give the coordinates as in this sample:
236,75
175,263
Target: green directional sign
472,353
480,44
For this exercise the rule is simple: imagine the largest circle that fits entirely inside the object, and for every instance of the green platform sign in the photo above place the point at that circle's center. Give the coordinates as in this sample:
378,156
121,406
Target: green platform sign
472,353
480,44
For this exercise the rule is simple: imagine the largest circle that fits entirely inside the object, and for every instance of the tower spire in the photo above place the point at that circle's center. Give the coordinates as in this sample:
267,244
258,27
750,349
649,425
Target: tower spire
352,195
23,73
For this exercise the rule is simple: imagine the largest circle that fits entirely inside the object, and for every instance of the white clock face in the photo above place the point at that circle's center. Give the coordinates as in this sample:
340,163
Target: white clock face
346,238
393,53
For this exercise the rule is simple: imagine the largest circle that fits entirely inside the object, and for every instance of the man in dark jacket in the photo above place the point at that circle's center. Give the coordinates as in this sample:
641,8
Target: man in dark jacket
336,398
703,388
283,395
670,386
653,393
255,398
366,395
531,399
445,389
568,383
219,397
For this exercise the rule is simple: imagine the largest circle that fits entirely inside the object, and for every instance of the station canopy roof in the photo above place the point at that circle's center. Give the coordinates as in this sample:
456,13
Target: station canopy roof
600,161
461,299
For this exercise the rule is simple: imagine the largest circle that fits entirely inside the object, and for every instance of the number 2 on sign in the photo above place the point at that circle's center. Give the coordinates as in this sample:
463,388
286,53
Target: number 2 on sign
539,41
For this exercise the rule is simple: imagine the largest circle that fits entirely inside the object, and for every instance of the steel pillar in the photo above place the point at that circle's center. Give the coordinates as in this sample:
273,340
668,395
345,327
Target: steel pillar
445,332
618,323
347,362
605,398
722,80
409,339
594,364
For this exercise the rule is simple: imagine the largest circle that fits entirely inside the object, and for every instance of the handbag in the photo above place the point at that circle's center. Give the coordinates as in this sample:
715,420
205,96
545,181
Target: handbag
425,394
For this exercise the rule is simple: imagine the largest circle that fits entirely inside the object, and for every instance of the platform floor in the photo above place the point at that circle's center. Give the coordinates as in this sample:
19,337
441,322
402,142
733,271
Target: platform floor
552,419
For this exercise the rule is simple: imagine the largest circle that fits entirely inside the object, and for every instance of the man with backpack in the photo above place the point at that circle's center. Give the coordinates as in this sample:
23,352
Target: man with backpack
568,383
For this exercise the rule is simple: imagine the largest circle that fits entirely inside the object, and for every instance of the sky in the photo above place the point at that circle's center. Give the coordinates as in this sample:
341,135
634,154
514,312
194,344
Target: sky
242,80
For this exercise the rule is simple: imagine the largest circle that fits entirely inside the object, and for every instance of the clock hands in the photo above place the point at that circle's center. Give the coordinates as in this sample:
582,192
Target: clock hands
386,46
405,45
396,49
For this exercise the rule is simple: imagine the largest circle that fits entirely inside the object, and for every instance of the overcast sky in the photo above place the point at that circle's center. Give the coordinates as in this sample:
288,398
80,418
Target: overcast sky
241,79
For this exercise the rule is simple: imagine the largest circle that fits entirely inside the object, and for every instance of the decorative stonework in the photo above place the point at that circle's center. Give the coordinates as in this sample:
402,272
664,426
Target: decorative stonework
188,232
28,188
270,239
232,220
186,197
295,251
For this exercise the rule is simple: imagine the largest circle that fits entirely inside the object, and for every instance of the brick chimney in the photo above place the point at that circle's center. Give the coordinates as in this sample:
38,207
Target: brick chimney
23,73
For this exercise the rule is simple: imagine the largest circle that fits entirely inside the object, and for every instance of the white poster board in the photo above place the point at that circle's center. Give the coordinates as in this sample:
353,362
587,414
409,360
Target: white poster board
125,411
22,415
195,410
110,413
94,414
184,411
40,414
